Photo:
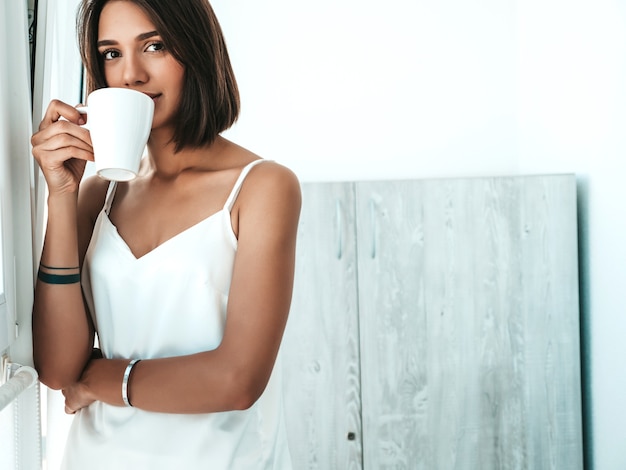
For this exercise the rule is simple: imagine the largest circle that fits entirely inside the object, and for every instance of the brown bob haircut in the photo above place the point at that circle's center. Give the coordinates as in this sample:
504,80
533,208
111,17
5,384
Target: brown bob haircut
191,33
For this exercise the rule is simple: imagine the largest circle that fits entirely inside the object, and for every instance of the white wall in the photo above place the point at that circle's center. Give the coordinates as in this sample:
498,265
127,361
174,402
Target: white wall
362,89
358,89
57,75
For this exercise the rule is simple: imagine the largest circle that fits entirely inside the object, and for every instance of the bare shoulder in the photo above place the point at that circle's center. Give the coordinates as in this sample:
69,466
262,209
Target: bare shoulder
266,181
271,173
271,182
270,197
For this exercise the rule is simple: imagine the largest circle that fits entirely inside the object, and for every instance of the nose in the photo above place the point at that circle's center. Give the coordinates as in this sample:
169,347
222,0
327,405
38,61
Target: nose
134,72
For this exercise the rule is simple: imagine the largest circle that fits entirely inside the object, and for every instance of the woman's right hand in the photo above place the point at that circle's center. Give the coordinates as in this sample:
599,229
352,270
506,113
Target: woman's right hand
62,148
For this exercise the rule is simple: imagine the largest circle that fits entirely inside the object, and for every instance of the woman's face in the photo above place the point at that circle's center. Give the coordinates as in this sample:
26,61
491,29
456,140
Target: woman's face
135,57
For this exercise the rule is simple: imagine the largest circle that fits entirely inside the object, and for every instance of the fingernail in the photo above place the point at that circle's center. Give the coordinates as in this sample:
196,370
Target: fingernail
81,121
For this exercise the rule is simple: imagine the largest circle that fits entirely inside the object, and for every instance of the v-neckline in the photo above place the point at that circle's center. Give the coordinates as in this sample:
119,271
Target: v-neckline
165,242
227,207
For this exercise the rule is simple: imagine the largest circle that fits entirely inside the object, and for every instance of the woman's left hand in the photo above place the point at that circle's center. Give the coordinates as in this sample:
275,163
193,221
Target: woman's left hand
100,381
78,396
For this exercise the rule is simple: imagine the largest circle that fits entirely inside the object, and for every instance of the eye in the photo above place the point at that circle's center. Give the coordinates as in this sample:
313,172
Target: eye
110,54
155,47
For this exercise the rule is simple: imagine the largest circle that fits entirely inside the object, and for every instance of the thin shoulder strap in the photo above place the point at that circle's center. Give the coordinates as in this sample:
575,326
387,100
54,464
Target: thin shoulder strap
108,202
242,176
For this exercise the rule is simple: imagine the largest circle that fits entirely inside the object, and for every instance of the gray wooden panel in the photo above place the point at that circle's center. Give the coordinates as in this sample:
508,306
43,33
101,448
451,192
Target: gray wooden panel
394,342
321,344
552,316
469,324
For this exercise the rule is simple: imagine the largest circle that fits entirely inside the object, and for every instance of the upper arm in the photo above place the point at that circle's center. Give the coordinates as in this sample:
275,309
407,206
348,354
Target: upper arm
261,287
91,195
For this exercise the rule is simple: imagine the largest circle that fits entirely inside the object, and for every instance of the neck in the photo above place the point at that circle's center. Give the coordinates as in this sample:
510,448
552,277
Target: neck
165,163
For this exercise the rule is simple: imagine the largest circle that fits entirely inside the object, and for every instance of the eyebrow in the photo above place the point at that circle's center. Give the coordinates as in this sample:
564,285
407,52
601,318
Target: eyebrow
141,37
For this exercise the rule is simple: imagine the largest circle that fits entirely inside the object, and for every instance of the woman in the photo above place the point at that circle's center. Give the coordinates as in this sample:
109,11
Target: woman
186,271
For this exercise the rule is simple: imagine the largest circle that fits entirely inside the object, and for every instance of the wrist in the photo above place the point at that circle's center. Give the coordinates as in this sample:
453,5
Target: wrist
126,380
62,197
103,379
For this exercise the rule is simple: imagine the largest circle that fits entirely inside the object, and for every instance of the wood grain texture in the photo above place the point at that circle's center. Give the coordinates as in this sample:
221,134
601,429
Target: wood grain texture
445,313
394,343
469,324
321,360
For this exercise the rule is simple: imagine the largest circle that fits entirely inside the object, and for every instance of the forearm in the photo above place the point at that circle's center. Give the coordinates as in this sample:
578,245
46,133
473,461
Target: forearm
199,383
62,333
62,338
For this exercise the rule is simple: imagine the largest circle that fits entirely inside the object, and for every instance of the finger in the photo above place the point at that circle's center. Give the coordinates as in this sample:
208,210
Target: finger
69,411
52,152
61,128
56,159
43,144
82,119
56,110
63,140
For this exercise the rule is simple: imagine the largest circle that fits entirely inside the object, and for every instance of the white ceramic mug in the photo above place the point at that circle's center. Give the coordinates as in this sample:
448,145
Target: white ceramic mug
119,121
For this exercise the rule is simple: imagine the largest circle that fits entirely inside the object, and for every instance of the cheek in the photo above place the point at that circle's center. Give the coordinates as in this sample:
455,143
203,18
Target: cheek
175,72
110,76
176,78
108,79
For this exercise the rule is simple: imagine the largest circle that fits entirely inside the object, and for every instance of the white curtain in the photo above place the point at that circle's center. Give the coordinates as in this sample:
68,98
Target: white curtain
22,198
57,76
19,423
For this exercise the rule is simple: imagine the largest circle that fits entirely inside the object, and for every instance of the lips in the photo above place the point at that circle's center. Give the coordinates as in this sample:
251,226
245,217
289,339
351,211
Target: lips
154,96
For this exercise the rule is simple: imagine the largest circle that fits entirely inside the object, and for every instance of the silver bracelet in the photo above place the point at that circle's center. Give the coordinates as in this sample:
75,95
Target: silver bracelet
129,369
